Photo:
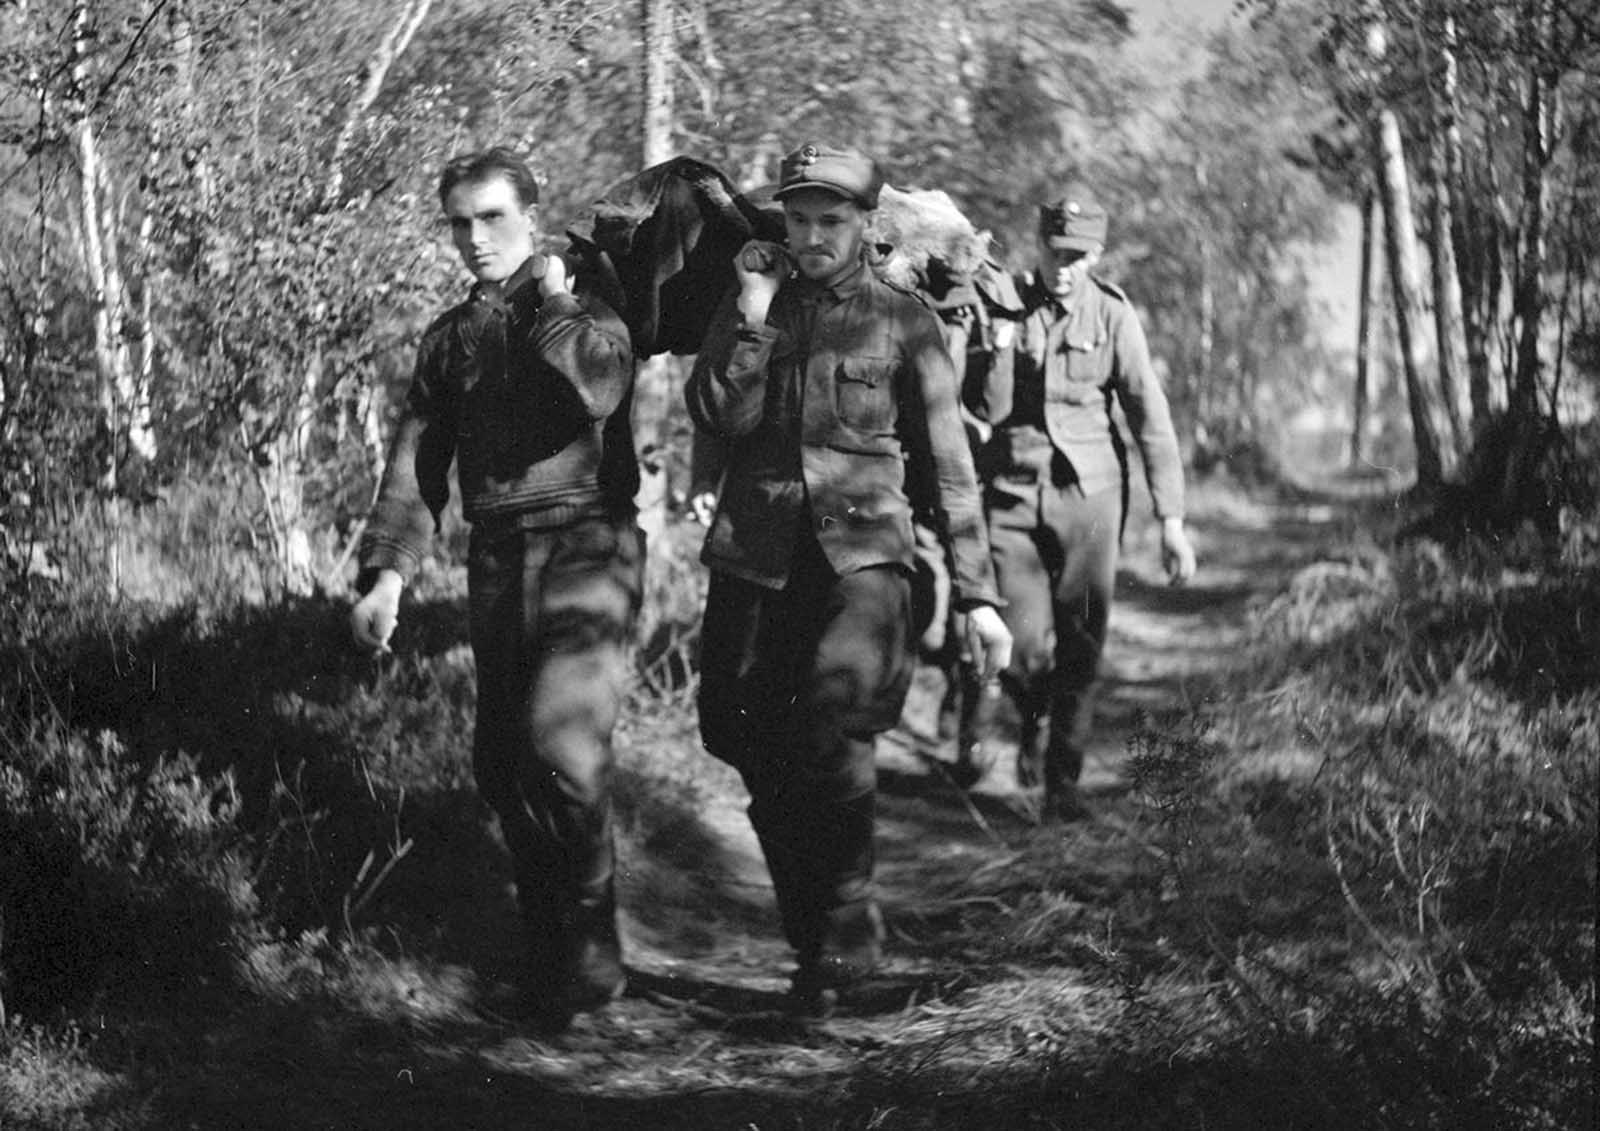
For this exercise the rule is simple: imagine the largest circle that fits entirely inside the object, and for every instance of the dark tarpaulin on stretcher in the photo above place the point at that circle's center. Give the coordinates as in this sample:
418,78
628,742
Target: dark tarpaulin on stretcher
659,245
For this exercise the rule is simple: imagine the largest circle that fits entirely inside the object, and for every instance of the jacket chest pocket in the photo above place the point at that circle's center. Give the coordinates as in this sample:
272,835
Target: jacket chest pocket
863,390
1081,372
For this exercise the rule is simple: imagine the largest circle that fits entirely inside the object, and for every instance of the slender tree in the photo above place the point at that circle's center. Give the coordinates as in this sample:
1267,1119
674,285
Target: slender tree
1442,229
653,389
1365,302
121,342
659,104
1538,141
369,85
1430,425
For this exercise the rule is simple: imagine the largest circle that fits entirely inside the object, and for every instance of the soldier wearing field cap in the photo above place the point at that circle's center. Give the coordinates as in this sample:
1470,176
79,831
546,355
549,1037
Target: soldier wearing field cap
1056,473
821,382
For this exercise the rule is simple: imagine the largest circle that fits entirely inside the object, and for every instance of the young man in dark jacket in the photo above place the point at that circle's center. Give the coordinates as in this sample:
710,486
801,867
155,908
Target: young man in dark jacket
821,382
527,387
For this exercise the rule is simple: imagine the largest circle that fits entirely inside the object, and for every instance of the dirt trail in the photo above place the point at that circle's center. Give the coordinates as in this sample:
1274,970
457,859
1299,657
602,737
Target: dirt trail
709,972
1164,642
701,1040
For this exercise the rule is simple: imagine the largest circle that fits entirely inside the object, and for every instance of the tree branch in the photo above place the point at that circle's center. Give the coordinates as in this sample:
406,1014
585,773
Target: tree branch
374,73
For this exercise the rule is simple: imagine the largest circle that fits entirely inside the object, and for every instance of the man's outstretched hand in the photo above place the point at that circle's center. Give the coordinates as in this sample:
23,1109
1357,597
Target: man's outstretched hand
988,641
1177,554
372,619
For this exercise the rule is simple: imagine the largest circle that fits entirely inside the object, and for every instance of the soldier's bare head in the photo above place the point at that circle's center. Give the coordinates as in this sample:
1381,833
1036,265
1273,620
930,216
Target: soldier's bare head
491,200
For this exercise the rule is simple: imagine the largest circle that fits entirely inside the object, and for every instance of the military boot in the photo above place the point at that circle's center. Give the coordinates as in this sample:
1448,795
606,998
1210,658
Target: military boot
849,926
1063,801
572,956
851,949
591,959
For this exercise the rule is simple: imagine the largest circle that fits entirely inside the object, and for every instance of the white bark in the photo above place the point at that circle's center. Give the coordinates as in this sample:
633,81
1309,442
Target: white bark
1538,131
1366,303
653,386
371,80
1430,427
123,403
282,479
1443,174
658,95
1207,302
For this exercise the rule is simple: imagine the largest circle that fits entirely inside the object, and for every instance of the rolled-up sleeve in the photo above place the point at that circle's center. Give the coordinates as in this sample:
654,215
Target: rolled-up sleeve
727,389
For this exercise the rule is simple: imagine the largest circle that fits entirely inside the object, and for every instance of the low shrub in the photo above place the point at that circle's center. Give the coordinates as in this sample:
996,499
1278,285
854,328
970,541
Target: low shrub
175,781
114,875
1387,839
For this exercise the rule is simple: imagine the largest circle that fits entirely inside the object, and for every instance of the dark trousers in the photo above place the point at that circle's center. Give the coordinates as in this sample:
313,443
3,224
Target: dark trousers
795,684
1055,556
552,615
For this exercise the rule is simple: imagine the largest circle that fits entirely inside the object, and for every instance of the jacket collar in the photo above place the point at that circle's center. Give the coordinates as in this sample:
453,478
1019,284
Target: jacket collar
841,288
517,288
1081,301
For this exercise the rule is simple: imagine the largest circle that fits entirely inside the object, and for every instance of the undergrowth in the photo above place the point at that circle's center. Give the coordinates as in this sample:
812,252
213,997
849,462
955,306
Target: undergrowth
186,780
1357,890
1385,843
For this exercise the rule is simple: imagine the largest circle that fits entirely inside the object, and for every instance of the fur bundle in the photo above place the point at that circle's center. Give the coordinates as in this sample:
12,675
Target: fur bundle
924,228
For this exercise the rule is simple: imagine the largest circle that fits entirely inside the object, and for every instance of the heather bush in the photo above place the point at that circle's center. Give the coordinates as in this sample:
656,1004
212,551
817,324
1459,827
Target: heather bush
113,873
177,749
1386,842
183,775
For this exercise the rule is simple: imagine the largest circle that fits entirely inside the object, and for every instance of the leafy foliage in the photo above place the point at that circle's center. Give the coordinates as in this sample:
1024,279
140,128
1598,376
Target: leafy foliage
1373,880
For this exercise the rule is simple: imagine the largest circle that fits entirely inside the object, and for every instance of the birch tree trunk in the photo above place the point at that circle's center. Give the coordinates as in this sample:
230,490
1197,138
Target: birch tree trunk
123,399
653,387
757,167
288,452
1469,257
1447,323
1365,303
97,245
1437,456
1500,244
1207,302
1538,128
658,94
280,472
371,79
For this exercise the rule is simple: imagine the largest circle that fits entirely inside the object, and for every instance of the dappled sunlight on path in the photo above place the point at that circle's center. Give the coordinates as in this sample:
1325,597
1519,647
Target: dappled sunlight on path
1167,645
1010,944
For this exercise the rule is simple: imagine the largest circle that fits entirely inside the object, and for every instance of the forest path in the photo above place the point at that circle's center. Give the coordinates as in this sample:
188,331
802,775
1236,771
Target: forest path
1007,939
709,973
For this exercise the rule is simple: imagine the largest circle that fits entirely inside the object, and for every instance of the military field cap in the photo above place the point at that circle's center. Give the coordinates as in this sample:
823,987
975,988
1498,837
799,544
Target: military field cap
1076,222
844,171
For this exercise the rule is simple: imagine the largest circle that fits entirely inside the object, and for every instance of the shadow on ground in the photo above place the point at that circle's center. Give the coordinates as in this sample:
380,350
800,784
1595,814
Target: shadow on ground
407,1033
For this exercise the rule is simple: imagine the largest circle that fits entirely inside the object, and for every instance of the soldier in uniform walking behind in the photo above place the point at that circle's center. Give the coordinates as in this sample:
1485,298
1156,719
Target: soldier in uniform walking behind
527,386
821,381
1056,476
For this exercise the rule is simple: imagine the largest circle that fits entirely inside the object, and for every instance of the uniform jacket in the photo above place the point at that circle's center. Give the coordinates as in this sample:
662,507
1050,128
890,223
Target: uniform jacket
819,411
1050,397
531,396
